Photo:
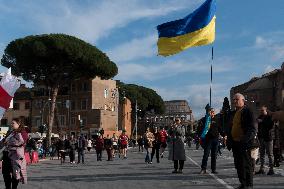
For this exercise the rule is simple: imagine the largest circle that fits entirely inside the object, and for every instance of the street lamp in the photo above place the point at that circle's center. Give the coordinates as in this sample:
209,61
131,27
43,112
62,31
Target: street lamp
136,119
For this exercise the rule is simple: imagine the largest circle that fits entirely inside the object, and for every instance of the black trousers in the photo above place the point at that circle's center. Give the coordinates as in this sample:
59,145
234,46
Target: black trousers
72,155
178,164
155,150
7,170
243,164
99,155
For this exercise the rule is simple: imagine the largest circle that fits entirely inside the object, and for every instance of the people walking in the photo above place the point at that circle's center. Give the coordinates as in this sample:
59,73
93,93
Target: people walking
149,138
211,139
14,162
156,146
176,145
265,135
163,136
108,147
72,148
81,146
115,148
99,145
240,140
123,138
89,144
141,144
62,149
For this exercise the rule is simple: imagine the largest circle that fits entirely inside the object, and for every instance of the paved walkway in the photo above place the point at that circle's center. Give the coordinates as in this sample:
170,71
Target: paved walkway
134,173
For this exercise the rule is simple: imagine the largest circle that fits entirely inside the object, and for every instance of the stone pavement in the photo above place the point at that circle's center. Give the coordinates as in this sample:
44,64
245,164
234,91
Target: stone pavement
135,173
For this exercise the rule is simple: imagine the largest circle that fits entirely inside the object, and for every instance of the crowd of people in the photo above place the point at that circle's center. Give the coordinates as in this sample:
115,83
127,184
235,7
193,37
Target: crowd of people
250,139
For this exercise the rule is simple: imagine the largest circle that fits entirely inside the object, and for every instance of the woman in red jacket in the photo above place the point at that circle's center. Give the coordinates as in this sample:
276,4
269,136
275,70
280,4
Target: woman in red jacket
123,138
99,145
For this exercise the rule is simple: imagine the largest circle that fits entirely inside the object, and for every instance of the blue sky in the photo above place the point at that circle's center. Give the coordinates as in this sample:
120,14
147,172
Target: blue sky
249,40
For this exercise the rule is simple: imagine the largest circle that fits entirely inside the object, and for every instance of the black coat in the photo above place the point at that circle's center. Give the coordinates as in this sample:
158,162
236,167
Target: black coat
249,127
265,128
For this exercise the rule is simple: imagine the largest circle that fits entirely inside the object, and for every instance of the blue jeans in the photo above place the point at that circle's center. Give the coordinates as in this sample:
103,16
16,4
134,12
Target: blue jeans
81,154
210,145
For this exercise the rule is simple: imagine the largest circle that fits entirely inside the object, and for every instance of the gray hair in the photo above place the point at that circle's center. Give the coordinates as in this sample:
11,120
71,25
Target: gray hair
241,96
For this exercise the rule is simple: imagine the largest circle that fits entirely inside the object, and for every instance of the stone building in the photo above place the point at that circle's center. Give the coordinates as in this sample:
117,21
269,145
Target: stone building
265,90
173,109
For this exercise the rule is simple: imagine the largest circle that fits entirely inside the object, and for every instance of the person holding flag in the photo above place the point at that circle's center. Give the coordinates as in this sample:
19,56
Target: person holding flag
209,135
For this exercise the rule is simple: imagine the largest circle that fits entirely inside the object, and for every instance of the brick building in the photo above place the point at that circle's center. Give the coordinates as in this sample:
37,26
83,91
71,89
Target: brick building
124,117
95,100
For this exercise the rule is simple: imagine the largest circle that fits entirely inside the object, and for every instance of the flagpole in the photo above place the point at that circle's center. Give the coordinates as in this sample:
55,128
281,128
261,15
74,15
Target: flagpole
211,73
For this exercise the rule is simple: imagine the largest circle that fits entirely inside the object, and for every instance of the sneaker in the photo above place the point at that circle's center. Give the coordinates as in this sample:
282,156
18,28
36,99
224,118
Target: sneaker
270,172
150,162
179,171
261,171
175,171
202,172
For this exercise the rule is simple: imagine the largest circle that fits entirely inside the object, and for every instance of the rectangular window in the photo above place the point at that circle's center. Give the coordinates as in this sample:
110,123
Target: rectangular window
84,123
27,105
105,93
73,87
73,105
38,121
62,119
85,86
83,104
16,106
73,120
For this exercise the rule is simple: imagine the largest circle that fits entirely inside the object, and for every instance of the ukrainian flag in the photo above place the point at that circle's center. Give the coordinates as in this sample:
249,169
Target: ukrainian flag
196,29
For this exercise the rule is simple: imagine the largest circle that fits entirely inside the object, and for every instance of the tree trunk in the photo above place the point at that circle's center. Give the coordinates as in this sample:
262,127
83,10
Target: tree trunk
54,91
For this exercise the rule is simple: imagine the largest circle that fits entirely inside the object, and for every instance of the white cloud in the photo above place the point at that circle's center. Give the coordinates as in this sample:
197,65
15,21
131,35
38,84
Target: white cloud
154,71
94,20
196,95
136,48
273,43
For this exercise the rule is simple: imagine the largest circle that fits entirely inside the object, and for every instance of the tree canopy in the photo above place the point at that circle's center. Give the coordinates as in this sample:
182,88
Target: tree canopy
55,60
147,98
52,58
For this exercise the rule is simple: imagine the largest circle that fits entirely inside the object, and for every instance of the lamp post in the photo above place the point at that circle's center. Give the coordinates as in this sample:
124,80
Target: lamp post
42,114
136,123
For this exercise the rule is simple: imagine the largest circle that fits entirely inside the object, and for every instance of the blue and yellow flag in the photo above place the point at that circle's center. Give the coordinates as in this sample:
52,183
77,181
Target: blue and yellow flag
196,29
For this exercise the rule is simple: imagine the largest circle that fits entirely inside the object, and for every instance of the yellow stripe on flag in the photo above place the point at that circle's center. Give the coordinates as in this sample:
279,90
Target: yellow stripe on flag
169,46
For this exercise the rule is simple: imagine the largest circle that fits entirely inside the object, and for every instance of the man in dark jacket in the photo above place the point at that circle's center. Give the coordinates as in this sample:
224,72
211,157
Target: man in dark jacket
210,142
265,135
240,138
81,146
